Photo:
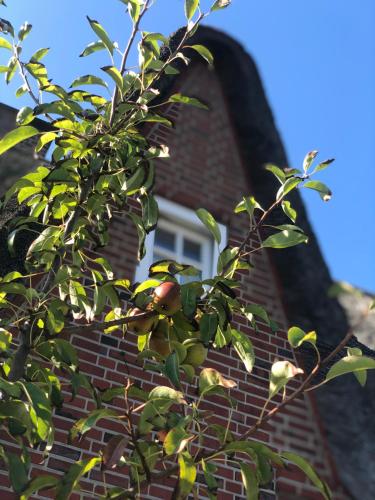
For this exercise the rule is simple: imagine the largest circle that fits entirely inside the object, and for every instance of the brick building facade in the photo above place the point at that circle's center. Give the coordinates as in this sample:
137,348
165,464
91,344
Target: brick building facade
209,167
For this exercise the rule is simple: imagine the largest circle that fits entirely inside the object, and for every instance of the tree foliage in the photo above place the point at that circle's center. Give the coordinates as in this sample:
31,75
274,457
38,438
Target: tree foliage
101,160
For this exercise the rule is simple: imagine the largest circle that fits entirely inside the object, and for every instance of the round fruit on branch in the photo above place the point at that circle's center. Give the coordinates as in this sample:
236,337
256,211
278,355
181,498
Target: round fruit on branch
196,354
141,326
167,298
160,338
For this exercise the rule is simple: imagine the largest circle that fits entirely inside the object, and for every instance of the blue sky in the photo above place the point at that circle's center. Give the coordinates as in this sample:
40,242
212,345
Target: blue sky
316,58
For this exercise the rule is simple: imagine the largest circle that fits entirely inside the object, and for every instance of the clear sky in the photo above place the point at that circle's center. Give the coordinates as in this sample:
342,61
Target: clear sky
316,58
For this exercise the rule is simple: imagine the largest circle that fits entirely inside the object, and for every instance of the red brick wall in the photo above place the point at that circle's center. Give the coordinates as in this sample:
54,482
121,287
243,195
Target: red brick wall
205,169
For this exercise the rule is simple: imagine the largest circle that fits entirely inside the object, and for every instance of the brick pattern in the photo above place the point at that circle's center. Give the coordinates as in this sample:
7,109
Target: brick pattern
205,169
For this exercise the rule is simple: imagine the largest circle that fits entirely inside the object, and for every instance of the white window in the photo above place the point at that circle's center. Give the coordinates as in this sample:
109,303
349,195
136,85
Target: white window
181,236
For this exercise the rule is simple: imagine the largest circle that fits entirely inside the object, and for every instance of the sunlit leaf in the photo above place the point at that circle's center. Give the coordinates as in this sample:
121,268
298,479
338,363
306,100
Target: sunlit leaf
190,8
244,349
192,101
176,440
281,373
188,473
350,364
92,47
284,239
220,4
210,379
88,80
72,477
204,52
296,336
210,223
83,425
15,136
250,481
37,484
324,191
102,34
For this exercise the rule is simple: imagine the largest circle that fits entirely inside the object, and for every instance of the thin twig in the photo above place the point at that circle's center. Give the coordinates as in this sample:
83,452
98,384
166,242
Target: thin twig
125,57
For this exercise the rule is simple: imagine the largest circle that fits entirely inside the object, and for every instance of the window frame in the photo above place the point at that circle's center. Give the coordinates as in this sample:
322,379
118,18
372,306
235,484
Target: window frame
183,221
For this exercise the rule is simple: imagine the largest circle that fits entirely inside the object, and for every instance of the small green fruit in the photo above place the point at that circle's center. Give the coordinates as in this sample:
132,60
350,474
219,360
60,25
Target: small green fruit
196,355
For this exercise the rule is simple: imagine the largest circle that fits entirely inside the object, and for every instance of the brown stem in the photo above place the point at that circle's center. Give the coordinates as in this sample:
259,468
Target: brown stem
100,325
125,57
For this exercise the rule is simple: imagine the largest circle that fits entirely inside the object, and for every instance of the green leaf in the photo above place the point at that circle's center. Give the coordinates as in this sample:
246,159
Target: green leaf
277,172
323,165
189,297
192,101
281,373
17,410
70,480
102,34
210,379
210,223
171,369
164,393
309,471
134,8
188,473
208,325
24,31
92,47
244,349
37,484
150,212
176,440
141,235
361,376
190,8
115,75
83,425
24,116
287,187
5,339
323,190
284,239
88,80
204,52
39,54
220,4
4,44
209,471
145,285
255,310
44,139
288,210
15,136
350,364
249,204
42,408
250,481
296,336
18,473
309,158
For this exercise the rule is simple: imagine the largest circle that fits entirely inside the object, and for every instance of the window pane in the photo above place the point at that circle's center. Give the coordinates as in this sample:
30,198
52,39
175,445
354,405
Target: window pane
165,239
192,250
157,256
